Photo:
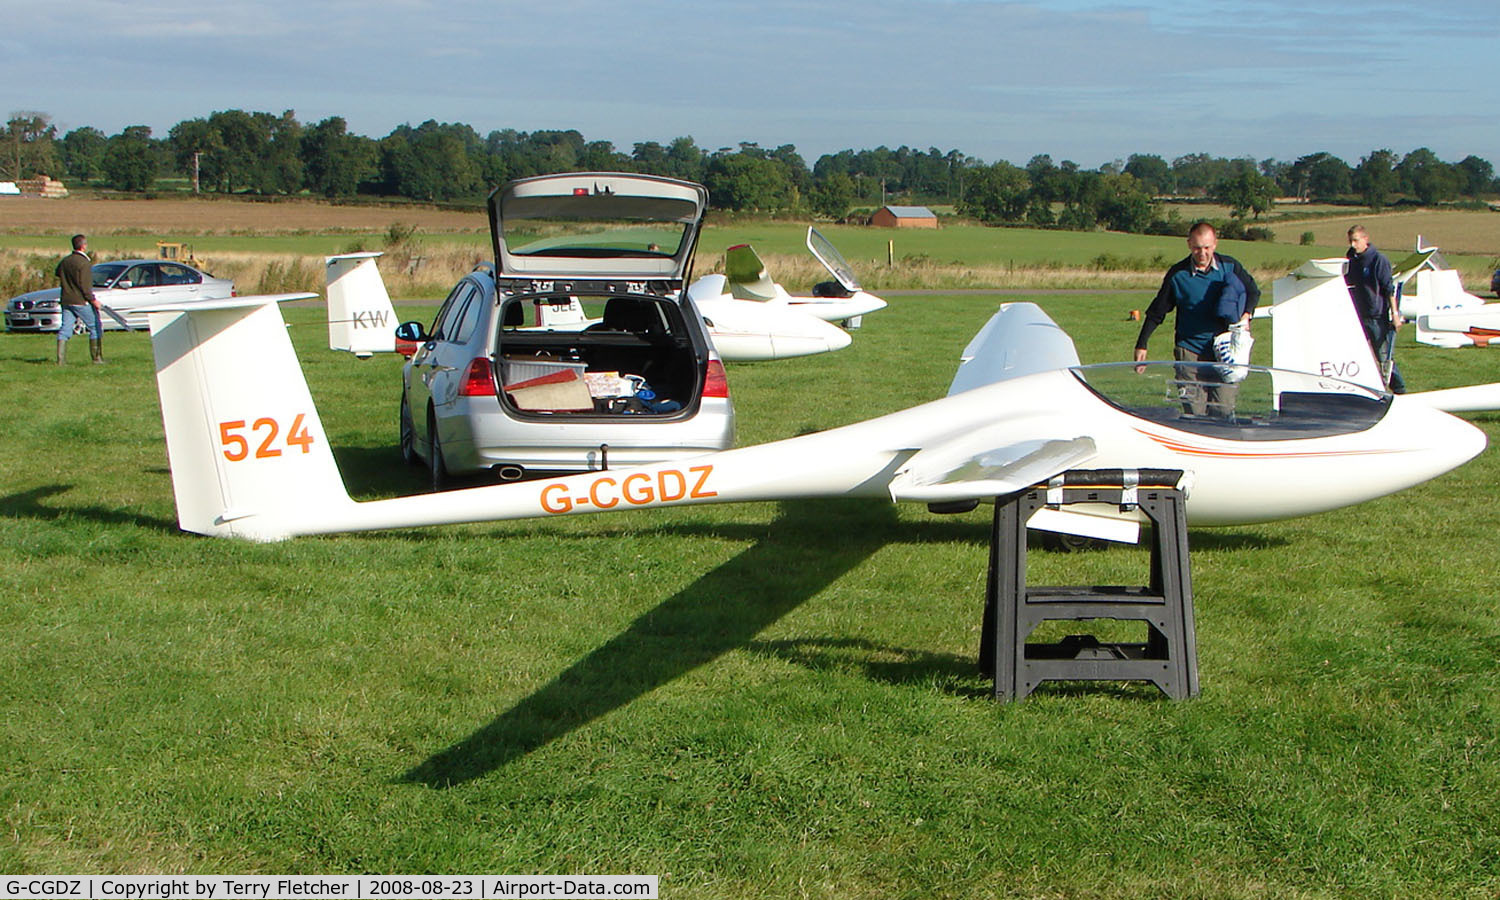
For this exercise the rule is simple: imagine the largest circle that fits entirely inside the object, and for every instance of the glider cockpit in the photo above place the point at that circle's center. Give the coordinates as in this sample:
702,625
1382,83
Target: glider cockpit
1266,405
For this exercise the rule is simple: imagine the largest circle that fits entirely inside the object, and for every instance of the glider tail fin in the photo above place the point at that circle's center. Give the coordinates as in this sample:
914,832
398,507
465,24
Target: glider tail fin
1316,330
361,319
248,452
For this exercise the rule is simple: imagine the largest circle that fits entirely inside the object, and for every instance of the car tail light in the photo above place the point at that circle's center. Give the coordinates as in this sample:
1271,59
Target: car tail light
715,383
480,379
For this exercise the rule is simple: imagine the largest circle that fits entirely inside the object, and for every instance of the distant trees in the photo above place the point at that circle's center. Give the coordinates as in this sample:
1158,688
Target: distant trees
1246,192
1375,179
239,151
131,159
1426,177
1319,176
434,161
82,151
996,193
335,162
1151,172
749,180
1476,176
833,197
29,146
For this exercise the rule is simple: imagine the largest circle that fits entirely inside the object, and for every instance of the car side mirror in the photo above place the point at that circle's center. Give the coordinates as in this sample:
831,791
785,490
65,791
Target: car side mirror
122,283
411,331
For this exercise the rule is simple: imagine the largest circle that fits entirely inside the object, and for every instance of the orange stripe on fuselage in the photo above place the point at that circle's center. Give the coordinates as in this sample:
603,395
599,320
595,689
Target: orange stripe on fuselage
1179,446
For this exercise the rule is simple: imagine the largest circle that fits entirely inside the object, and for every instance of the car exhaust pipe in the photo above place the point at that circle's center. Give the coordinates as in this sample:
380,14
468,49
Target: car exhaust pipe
510,473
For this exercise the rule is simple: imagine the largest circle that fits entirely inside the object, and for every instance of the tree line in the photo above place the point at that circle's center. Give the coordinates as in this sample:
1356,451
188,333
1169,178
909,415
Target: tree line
238,152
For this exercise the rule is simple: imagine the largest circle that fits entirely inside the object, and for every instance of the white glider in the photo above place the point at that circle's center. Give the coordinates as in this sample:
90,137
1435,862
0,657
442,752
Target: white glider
249,456
361,319
1433,296
748,331
841,300
1316,330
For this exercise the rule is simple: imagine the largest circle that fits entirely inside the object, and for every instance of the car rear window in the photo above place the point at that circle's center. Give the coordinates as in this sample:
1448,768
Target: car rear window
564,238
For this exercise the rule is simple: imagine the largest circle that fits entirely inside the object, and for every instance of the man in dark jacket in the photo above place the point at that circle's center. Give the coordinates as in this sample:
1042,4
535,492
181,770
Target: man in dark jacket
1193,288
1368,276
75,279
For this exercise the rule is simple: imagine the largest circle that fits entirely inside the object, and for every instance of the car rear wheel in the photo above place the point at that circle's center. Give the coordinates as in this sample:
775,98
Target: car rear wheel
435,464
408,435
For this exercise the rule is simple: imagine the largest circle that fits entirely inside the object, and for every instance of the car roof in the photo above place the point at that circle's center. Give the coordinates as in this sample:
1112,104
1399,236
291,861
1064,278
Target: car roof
131,262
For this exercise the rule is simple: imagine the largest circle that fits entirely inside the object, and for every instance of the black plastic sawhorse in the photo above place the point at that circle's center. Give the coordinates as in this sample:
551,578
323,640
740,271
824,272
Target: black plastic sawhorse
1169,656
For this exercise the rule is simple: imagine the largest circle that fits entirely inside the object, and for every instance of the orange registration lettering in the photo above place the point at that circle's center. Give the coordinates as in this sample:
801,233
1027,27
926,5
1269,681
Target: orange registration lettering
594,494
676,491
700,490
636,489
558,501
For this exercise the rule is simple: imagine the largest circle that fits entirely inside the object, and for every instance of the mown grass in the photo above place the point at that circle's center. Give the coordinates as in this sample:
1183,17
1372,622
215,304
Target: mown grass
771,699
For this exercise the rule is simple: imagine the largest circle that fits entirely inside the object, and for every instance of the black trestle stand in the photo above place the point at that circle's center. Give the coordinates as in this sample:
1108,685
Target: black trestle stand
1169,656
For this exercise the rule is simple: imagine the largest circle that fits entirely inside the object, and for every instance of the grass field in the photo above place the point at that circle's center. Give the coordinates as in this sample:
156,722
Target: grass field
759,700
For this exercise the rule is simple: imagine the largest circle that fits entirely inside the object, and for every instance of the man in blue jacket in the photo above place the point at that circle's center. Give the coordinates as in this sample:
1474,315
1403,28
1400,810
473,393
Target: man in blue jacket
1193,288
1368,276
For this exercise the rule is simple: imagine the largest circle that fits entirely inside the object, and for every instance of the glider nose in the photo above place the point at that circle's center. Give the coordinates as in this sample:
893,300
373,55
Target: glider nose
811,342
837,338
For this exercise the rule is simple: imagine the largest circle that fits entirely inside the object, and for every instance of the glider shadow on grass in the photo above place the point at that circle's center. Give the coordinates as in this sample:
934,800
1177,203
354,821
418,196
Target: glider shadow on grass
28,504
791,561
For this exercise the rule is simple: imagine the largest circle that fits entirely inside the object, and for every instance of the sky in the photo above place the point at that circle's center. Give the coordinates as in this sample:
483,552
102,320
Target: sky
1086,81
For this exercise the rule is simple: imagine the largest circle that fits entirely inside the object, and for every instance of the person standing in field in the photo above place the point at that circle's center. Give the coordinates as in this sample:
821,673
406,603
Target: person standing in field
1368,275
1194,289
75,278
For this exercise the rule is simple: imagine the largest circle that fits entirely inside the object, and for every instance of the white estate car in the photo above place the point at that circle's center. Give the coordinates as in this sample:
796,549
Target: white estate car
579,350
120,286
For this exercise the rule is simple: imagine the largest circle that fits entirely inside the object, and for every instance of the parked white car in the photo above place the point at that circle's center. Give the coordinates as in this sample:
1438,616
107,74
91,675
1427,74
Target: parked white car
504,382
120,286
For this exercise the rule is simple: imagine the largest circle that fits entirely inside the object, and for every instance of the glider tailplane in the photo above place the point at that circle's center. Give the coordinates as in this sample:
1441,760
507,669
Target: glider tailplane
361,319
248,453
747,275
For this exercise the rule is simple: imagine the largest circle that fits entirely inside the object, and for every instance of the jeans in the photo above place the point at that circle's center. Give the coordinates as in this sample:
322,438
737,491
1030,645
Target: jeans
70,314
1200,389
1382,337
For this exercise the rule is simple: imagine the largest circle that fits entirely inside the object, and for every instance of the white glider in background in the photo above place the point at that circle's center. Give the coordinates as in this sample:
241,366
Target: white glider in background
741,330
250,458
841,300
1316,330
749,331
361,319
1432,295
